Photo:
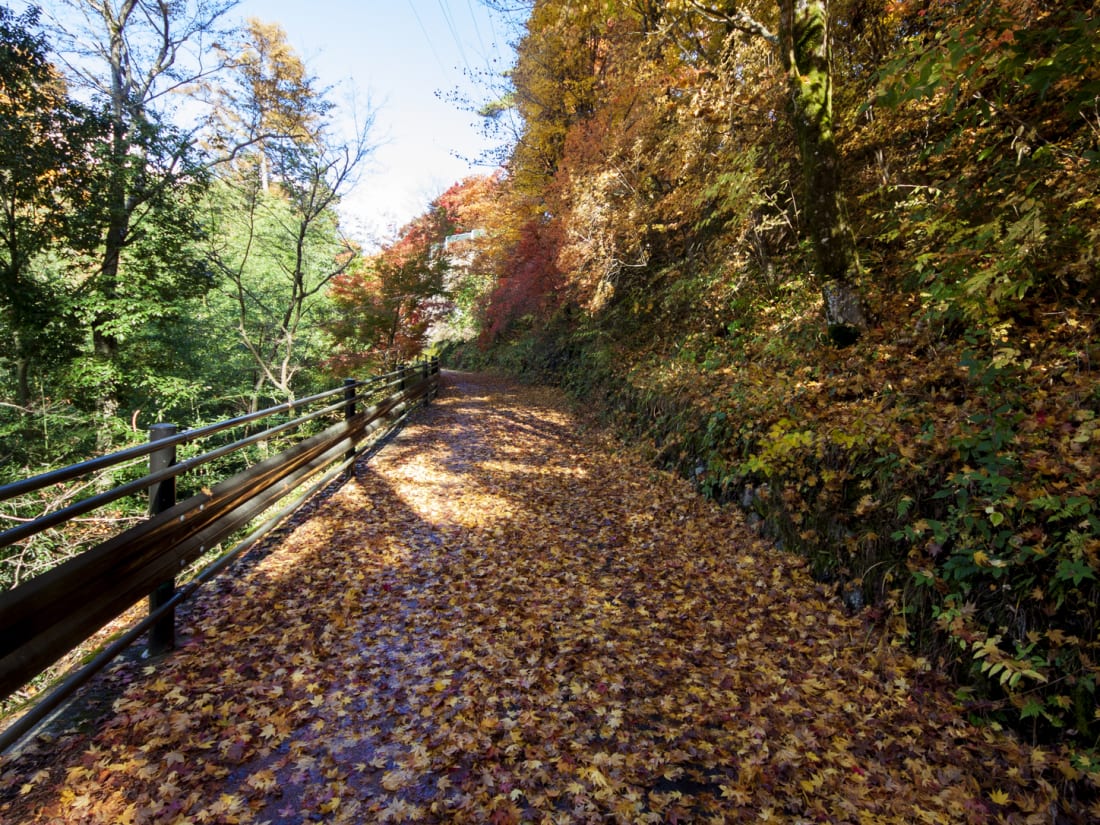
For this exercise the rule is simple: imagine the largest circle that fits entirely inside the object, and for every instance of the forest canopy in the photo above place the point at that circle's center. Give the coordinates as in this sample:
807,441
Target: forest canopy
170,190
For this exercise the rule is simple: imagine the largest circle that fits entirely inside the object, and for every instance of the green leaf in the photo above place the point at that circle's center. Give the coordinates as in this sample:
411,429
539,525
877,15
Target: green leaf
1075,570
1031,709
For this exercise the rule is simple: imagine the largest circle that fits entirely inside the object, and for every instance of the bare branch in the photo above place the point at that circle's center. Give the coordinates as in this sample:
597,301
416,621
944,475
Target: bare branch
737,19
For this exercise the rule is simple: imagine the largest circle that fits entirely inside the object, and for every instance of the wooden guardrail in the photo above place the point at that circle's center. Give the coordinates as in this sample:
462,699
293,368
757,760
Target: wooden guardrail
44,618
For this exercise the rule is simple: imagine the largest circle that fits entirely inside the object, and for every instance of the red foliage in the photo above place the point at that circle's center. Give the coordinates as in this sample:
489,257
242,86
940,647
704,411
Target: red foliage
532,285
383,309
468,203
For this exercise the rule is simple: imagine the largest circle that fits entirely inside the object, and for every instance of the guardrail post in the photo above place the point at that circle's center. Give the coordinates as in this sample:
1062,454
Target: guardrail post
162,496
425,373
349,413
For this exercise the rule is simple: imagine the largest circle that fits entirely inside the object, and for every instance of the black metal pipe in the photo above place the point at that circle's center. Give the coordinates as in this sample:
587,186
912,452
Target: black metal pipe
82,468
41,523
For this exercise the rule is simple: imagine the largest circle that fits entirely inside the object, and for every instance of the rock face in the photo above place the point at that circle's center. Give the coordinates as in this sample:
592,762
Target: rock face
853,598
844,313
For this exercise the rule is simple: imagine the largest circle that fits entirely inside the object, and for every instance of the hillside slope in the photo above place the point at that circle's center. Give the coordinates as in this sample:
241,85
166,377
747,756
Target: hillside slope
941,470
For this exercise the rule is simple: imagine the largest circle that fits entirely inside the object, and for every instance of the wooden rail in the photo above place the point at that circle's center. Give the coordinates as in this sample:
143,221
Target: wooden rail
47,616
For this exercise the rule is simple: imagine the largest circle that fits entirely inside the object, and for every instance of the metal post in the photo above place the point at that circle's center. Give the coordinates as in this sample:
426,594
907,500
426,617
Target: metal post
162,496
349,414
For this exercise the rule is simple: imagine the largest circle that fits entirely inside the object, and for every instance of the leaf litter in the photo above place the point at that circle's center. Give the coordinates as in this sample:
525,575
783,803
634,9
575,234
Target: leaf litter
508,618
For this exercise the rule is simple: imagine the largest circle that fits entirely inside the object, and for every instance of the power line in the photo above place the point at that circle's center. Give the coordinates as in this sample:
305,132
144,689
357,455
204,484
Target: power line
454,33
427,37
477,33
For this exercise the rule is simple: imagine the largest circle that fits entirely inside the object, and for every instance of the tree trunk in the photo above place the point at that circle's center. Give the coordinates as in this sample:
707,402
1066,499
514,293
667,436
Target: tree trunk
105,343
22,365
22,381
105,352
804,44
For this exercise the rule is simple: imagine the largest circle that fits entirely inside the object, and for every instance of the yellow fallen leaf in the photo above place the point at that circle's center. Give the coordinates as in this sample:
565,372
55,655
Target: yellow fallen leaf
595,776
396,780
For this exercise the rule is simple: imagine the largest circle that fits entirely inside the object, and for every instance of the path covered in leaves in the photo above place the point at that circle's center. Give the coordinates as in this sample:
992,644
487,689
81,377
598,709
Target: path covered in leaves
504,620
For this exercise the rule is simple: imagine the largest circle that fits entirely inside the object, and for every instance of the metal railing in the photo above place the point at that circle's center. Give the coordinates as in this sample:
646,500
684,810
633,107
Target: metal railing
47,616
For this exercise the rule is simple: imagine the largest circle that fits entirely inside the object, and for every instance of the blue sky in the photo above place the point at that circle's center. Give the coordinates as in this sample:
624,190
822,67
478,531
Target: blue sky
399,54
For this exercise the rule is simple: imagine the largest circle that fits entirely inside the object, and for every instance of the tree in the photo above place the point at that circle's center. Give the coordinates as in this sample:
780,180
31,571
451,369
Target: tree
276,253
384,308
531,282
131,56
44,190
476,209
268,106
563,83
803,42
652,175
557,67
273,231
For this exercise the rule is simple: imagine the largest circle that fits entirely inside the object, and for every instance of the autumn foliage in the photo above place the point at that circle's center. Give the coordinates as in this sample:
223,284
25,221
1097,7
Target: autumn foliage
943,470
384,306
502,620
529,288
648,245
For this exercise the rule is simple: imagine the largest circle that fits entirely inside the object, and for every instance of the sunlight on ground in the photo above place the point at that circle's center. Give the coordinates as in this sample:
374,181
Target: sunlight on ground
465,636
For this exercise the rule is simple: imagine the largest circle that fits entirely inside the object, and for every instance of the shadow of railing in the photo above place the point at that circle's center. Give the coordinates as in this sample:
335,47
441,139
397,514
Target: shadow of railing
47,616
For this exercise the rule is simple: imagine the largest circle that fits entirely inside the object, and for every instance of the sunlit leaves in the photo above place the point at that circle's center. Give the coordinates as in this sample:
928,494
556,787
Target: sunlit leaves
268,106
530,287
385,304
505,619
1002,95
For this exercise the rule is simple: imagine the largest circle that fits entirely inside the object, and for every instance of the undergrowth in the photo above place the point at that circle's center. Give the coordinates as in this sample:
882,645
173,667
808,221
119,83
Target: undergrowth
945,483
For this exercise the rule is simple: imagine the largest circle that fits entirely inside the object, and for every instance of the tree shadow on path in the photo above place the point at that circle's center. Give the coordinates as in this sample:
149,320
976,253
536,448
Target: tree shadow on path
499,621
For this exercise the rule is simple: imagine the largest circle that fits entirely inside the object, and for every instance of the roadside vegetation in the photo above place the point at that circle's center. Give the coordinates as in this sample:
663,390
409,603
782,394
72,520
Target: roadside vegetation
937,464
834,262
